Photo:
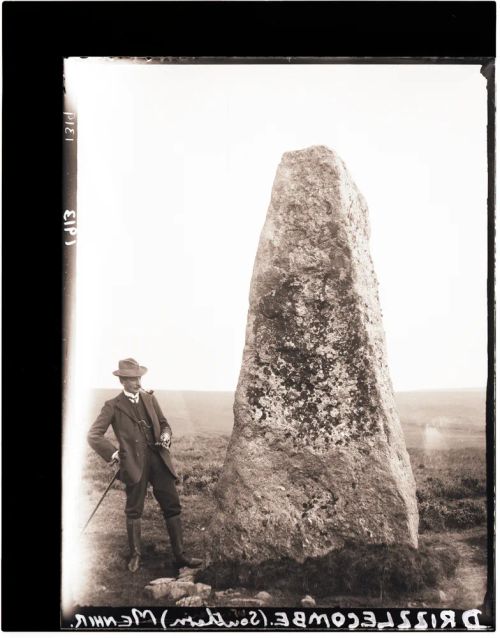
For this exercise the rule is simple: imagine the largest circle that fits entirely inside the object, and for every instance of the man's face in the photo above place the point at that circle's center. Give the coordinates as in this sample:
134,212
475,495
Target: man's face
131,384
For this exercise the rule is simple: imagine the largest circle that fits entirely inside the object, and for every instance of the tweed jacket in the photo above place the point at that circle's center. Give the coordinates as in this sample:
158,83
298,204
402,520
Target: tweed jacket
118,413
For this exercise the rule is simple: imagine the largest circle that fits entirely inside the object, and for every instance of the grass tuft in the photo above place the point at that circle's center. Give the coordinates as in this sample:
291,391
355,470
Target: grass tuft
451,489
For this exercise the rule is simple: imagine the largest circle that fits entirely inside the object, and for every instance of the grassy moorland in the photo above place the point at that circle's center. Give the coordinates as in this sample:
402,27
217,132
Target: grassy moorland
449,570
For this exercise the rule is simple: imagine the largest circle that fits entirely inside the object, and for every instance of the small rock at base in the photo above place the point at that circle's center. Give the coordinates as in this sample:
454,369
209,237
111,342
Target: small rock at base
161,581
227,592
173,590
308,601
442,596
189,601
202,589
264,596
184,571
157,591
181,589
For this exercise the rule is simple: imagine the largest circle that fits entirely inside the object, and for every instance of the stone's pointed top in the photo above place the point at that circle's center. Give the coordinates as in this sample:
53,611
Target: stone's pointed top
319,152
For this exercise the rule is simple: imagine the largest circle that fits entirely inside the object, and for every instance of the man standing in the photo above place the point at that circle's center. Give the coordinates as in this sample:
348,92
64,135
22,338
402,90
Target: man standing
144,436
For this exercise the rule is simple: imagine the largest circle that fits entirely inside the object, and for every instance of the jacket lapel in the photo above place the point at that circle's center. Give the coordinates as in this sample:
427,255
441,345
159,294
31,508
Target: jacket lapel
148,403
125,406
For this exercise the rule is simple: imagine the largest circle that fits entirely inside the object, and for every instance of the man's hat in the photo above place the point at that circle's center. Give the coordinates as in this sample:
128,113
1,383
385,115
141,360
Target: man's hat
129,368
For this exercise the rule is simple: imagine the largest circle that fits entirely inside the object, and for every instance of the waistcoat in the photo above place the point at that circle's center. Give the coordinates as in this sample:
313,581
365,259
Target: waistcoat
145,425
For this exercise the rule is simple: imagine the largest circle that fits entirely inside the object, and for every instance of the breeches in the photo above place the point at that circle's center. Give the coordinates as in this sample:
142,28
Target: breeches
164,490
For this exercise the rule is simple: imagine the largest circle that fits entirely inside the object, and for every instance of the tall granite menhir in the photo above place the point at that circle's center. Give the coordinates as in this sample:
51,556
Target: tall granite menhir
317,456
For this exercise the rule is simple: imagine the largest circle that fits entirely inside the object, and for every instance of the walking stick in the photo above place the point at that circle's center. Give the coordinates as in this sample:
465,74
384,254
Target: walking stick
101,499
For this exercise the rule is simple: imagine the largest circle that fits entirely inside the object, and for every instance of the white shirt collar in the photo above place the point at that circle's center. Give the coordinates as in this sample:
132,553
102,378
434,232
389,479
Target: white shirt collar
129,395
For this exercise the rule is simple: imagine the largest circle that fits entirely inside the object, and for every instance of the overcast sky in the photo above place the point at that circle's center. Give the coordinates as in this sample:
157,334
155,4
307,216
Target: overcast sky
175,170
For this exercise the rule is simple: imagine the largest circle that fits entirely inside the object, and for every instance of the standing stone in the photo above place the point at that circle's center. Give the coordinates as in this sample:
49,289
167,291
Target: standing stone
317,456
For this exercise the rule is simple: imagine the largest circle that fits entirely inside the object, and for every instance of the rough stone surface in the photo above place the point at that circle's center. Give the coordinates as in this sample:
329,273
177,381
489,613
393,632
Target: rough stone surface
317,456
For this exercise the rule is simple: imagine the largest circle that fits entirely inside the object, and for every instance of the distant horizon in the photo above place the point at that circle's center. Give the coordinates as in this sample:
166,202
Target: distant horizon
471,389
458,414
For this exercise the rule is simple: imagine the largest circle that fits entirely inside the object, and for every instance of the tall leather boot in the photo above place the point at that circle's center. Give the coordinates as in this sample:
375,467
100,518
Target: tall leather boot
134,543
174,527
